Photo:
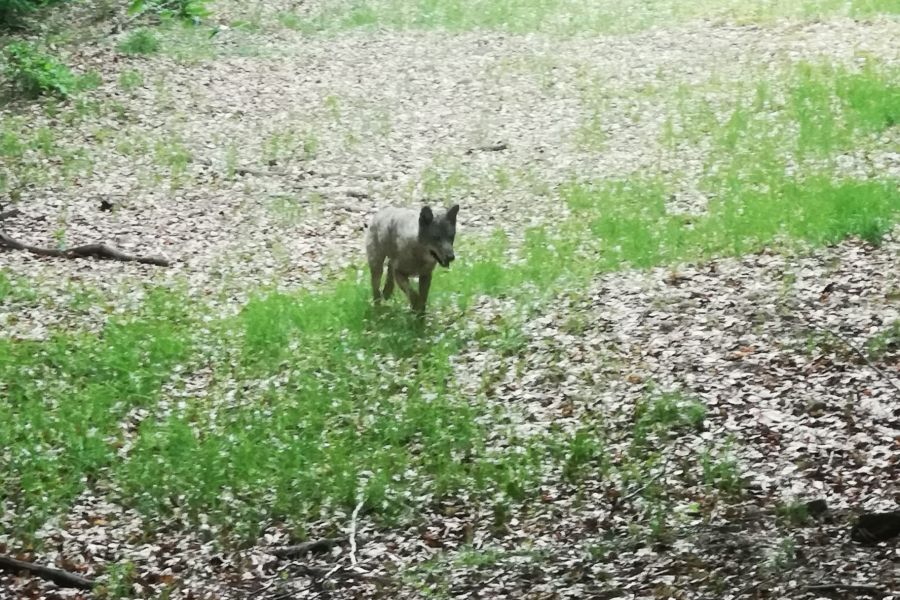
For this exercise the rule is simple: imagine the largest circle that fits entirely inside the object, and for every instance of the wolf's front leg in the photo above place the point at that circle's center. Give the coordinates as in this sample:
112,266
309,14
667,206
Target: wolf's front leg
424,286
403,282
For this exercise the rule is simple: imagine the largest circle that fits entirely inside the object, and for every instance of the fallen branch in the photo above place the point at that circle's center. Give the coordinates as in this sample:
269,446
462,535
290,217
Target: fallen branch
873,590
86,251
489,148
862,355
57,576
304,548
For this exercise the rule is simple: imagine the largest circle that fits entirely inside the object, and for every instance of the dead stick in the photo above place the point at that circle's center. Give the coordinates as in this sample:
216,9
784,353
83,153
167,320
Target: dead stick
306,547
86,251
57,576
862,355
489,148
848,587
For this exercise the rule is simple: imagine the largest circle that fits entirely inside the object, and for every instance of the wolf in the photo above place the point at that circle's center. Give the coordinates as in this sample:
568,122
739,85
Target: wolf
413,242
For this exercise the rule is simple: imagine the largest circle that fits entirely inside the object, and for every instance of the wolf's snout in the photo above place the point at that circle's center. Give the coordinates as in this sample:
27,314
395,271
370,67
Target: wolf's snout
450,257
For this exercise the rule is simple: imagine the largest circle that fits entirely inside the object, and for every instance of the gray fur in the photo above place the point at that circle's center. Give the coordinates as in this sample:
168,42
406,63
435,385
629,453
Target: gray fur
413,242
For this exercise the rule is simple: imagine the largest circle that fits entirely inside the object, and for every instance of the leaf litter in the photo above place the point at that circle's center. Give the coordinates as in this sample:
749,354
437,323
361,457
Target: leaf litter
742,336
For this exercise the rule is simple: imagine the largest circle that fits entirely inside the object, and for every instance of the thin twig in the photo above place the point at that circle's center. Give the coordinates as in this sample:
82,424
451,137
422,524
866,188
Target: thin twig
862,355
353,531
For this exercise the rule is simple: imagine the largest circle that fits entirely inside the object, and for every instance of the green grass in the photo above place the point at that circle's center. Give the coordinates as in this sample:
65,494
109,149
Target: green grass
130,80
632,226
15,289
25,150
570,16
807,110
338,426
65,399
351,401
140,41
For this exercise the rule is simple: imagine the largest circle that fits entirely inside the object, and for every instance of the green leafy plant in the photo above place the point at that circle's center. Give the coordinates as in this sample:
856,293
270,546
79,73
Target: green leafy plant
182,9
12,12
37,73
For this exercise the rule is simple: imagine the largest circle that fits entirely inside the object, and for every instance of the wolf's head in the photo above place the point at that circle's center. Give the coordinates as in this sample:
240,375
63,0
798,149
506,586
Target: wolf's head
437,232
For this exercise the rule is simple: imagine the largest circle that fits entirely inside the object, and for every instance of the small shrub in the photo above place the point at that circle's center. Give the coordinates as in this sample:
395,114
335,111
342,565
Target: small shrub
793,512
884,343
12,12
721,471
182,9
140,41
36,73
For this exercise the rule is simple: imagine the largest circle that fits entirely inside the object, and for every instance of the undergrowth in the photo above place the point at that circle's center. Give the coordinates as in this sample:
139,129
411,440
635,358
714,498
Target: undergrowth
567,16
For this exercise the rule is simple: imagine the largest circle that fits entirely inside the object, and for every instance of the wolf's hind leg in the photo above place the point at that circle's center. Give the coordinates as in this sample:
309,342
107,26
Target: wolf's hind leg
389,283
376,267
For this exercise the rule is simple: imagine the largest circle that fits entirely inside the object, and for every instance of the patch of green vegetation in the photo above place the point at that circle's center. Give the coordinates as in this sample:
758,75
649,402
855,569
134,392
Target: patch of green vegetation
337,425
14,290
130,79
585,452
293,21
140,41
287,145
809,110
14,12
117,581
189,43
721,471
632,226
172,154
793,512
657,417
181,9
34,72
885,342
570,16
26,149
782,557
874,7
65,398
288,209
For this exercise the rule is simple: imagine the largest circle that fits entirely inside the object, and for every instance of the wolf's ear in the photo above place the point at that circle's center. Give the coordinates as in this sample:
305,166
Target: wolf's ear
426,217
451,214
